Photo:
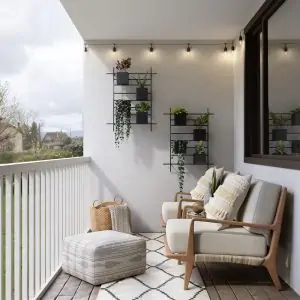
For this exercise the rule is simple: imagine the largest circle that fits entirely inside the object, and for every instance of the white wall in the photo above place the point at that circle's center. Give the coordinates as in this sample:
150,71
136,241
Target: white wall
289,258
135,171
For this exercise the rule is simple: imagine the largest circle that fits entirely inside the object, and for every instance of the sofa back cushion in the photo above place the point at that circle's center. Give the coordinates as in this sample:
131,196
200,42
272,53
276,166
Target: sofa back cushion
260,205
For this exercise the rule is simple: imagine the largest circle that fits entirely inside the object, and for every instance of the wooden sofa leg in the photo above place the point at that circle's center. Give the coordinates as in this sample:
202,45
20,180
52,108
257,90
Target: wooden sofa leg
272,269
189,265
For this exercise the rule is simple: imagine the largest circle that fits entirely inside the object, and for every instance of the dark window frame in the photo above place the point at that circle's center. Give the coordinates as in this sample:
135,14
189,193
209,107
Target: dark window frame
256,147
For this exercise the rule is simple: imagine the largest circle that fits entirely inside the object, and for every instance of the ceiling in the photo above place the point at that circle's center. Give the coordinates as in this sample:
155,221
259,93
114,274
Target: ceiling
160,19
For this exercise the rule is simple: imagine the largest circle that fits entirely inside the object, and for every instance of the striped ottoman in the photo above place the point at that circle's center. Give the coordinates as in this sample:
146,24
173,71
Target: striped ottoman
104,256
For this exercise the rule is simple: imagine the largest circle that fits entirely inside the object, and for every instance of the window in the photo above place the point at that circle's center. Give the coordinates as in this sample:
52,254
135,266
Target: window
272,88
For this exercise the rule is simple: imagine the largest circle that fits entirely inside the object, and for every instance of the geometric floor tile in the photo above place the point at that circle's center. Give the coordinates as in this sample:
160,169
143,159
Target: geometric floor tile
163,279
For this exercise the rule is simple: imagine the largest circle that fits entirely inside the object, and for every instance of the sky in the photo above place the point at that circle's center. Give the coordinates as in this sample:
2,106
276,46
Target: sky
41,57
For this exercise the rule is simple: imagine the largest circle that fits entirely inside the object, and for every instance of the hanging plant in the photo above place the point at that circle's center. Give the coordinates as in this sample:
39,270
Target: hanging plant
179,149
123,121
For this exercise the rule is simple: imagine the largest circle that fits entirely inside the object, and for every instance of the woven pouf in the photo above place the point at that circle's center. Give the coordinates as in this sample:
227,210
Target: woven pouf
104,256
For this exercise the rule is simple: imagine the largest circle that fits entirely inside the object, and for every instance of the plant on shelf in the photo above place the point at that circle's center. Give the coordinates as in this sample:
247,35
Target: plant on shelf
142,110
278,120
280,148
296,116
180,115
141,90
122,75
123,120
200,154
200,133
179,149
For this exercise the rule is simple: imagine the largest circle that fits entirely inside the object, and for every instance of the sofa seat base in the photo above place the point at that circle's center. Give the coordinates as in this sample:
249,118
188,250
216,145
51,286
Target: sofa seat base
234,241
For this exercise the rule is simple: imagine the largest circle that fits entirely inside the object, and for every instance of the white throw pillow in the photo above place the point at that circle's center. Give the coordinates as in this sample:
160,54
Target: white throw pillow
202,190
228,198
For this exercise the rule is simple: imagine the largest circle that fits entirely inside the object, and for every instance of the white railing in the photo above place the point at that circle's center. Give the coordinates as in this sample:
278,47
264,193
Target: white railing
41,203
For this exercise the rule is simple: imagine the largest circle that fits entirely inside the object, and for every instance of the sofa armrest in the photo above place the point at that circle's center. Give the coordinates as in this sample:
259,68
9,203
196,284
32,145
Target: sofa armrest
180,194
179,211
236,223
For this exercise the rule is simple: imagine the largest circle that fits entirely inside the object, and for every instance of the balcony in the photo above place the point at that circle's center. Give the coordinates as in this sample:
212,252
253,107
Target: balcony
41,203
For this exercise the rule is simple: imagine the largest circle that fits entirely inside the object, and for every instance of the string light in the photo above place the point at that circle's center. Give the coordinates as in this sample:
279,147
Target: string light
85,48
225,48
114,48
151,49
240,38
285,49
232,47
188,49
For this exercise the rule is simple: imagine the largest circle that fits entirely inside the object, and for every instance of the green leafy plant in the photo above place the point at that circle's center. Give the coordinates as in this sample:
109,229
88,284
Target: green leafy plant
278,119
142,107
200,149
179,151
141,81
124,64
123,121
296,110
179,110
214,184
202,120
280,148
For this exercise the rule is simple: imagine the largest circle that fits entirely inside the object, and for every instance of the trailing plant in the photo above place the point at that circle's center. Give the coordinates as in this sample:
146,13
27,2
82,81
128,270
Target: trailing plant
200,149
141,81
123,121
214,184
280,148
179,110
278,119
142,107
296,110
180,162
124,64
202,120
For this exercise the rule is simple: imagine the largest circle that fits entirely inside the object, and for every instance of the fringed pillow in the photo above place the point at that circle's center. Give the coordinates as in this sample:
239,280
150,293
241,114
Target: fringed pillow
228,198
202,191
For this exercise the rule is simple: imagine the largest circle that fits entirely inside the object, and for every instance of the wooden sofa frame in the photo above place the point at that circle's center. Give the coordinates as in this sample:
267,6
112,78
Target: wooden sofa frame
269,261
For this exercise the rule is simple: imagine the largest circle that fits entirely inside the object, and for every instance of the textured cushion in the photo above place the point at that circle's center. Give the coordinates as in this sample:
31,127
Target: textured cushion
104,256
260,205
208,240
228,198
169,210
202,190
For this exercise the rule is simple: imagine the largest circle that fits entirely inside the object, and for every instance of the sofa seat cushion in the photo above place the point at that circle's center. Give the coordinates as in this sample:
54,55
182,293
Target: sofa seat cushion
208,240
169,210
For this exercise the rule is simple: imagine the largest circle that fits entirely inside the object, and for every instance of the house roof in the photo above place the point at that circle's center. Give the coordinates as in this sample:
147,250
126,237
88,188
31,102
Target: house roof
55,135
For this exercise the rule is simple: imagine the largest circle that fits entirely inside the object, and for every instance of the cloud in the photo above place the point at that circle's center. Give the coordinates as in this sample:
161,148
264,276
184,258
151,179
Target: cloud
41,55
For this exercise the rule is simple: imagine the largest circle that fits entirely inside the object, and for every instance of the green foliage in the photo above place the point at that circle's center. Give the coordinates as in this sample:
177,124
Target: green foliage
123,121
124,64
181,146
141,81
213,185
75,147
178,110
278,119
202,120
200,148
142,107
280,148
296,110
6,158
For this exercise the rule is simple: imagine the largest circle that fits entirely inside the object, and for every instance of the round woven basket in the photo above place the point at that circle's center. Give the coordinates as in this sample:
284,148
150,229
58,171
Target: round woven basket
100,215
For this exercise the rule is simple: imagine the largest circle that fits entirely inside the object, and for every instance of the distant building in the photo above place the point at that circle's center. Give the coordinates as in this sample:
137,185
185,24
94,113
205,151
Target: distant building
11,138
55,140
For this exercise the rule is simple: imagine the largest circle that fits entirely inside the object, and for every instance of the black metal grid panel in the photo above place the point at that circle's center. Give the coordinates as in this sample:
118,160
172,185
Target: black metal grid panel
174,131
117,95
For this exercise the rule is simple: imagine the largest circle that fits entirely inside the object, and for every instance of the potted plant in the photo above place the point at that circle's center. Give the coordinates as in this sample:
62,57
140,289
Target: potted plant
180,114
280,148
141,90
278,134
142,112
296,116
179,147
122,121
200,154
200,133
122,74
180,171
